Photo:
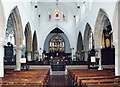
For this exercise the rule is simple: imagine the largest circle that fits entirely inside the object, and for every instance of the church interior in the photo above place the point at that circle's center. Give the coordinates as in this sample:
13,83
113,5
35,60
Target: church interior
59,43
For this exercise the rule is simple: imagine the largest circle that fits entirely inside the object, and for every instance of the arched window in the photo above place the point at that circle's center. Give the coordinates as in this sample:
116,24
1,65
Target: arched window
49,14
63,16
57,14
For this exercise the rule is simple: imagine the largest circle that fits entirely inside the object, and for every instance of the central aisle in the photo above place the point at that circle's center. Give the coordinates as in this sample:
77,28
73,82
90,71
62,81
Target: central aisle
58,81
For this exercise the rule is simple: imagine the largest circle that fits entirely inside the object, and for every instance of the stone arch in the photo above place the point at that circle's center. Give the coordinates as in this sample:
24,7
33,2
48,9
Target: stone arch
79,47
99,28
34,46
87,41
63,29
18,34
17,24
28,41
101,25
62,35
2,34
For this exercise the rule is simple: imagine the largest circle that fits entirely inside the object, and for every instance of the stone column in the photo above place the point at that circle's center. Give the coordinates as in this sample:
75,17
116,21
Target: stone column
117,59
40,54
1,58
18,56
86,56
116,43
73,54
29,55
100,59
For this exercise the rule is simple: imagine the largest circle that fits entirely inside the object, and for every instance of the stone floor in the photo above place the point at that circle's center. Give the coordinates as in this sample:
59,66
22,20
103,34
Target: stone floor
58,81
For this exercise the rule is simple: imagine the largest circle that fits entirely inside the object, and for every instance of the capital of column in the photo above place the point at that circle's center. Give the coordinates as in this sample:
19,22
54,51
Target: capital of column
85,51
29,51
19,47
2,41
115,43
98,49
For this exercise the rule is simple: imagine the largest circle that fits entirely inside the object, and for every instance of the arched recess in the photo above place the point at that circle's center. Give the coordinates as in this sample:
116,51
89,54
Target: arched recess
14,27
54,34
60,45
104,38
2,36
88,40
79,48
99,28
35,47
28,41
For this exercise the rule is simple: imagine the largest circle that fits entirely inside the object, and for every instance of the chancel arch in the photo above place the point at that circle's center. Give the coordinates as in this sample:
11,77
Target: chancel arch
28,41
54,33
14,35
35,47
57,44
79,52
104,39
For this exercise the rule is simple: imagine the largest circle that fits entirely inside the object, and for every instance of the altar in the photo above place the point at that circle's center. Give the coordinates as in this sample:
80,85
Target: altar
58,66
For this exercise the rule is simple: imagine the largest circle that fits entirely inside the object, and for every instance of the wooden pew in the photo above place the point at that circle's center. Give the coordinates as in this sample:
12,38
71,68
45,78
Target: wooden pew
103,85
30,78
89,77
80,79
99,81
22,85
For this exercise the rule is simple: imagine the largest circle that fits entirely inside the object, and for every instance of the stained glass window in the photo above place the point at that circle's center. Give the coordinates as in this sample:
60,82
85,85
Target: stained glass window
56,44
49,14
63,16
57,14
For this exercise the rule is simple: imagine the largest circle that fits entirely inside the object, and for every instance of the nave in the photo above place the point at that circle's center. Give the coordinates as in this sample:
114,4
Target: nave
55,43
40,32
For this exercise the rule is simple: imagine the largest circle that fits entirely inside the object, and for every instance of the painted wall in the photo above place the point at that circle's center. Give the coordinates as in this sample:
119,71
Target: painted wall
108,7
